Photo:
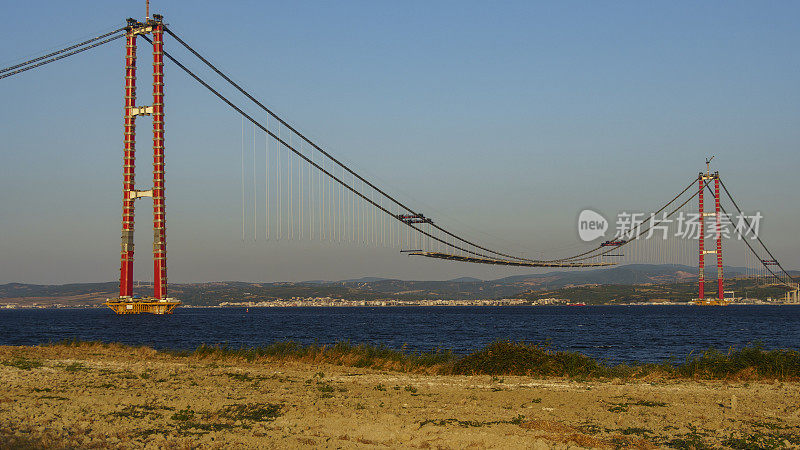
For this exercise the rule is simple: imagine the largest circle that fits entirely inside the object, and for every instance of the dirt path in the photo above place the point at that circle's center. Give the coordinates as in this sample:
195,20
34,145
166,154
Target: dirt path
96,397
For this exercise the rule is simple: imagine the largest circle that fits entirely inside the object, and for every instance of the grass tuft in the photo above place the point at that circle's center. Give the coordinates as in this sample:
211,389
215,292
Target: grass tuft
184,415
23,363
140,411
750,362
256,412
239,376
75,367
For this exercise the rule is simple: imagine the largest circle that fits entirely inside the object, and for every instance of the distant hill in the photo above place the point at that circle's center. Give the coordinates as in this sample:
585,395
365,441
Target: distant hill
466,280
367,288
627,274
363,280
11,290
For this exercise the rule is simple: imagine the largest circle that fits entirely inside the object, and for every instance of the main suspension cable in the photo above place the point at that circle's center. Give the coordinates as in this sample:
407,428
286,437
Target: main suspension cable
578,257
744,218
357,176
28,65
328,155
57,52
643,231
305,158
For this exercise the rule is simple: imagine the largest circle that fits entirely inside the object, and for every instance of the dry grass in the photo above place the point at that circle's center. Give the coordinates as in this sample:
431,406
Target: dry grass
551,426
560,432
498,358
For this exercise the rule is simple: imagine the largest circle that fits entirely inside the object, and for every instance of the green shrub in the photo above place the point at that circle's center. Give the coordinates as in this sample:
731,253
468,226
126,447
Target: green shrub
510,358
712,363
256,412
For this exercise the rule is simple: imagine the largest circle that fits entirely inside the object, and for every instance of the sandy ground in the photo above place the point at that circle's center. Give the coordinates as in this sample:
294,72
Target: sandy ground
61,397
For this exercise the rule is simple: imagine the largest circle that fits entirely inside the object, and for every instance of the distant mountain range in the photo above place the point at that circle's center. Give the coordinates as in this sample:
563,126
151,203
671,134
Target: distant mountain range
367,288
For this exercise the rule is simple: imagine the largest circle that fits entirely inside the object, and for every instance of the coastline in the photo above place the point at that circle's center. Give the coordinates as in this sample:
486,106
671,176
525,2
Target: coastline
390,304
108,395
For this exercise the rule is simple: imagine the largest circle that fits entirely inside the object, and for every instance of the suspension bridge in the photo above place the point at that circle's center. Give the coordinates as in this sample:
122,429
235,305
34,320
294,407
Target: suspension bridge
309,194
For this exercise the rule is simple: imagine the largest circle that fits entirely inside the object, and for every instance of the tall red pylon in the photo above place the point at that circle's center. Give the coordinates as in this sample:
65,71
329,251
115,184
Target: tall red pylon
159,212
701,262
128,166
720,292
159,303
702,180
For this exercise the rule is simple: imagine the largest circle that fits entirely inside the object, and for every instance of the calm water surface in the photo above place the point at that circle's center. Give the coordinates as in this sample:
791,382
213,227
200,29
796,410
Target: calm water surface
613,333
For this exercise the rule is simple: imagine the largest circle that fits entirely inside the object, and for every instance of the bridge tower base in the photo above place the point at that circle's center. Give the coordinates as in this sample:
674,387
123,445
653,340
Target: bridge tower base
143,305
793,296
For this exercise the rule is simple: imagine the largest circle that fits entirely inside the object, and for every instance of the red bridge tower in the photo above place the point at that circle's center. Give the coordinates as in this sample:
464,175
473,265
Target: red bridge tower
159,303
702,179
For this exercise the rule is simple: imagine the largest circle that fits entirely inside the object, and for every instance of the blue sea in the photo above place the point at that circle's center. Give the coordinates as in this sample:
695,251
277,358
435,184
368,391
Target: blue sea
612,333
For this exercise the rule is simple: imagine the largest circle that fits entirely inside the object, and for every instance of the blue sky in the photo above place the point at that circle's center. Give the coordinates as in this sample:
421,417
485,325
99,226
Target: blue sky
503,119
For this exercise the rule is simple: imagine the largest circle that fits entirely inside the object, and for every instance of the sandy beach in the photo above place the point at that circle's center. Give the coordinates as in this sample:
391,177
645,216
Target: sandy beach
122,397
